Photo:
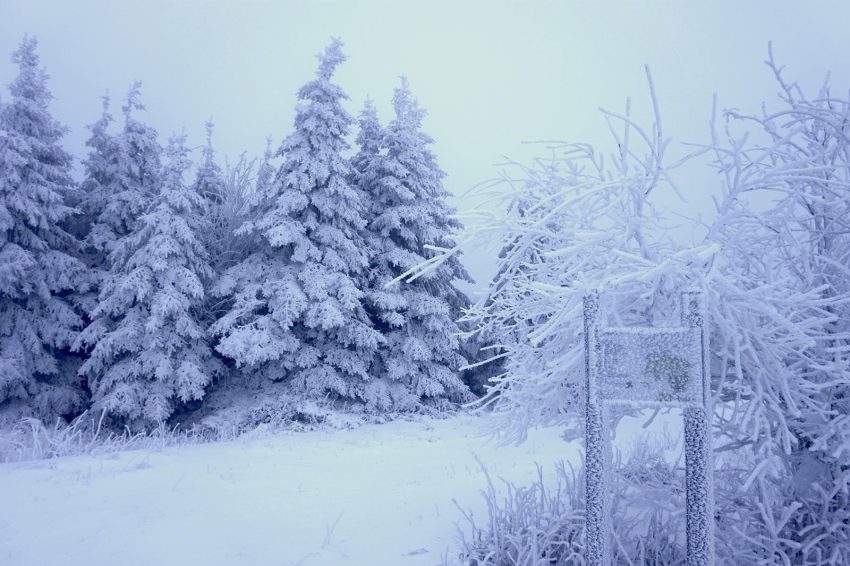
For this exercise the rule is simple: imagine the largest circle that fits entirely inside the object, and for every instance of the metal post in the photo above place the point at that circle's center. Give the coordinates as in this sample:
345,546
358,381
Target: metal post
699,461
597,548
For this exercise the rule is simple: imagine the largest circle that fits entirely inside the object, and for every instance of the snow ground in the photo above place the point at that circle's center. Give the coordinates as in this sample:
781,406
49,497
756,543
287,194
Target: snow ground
374,495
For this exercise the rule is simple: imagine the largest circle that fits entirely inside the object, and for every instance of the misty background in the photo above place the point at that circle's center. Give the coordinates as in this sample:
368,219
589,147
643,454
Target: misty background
492,74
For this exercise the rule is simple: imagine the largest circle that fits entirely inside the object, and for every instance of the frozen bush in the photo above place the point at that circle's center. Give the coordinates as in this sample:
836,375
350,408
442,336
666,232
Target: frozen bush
529,526
539,525
31,439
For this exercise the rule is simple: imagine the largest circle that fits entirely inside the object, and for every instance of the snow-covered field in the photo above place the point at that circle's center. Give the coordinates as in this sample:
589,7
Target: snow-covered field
374,495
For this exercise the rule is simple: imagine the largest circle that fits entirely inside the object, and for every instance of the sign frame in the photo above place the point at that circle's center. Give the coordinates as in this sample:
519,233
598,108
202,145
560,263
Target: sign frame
696,413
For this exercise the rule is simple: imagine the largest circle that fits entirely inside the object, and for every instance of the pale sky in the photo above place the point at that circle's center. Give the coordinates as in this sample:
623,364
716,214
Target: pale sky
491,73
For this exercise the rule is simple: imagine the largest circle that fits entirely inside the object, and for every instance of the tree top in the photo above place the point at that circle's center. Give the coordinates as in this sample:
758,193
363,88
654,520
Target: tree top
330,58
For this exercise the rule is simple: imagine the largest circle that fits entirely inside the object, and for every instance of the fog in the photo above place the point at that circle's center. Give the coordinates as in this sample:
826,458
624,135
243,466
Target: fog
492,74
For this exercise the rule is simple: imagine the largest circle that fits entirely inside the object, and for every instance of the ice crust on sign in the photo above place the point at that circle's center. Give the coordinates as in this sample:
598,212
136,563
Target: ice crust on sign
651,366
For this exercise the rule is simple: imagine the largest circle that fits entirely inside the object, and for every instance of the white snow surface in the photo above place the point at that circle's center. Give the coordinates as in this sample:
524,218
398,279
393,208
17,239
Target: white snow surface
374,495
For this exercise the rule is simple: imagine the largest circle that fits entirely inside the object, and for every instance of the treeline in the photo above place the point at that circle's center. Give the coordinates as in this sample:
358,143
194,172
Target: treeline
138,289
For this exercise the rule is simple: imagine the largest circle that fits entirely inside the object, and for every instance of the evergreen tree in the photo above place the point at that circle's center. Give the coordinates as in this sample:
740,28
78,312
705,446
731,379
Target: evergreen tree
209,183
91,199
265,172
122,177
99,172
37,269
297,310
422,355
149,352
369,142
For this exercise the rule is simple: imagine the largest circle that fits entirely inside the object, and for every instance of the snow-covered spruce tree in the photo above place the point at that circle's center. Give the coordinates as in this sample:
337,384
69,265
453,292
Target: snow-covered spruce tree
99,169
297,312
408,219
265,170
149,352
209,183
209,180
122,178
37,268
122,173
91,199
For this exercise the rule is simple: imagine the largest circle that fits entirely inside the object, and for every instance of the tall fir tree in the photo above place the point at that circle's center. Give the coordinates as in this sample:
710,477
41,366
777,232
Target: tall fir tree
297,311
122,177
266,170
91,199
38,270
209,183
209,180
369,142
99,168
422,357
149,352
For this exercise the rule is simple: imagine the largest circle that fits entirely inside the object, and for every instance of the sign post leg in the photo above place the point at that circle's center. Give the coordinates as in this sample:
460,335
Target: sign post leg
596,489
597,543
699,461
698,487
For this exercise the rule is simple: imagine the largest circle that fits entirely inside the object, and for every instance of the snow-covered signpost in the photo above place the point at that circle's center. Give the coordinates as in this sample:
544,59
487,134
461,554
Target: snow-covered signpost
649,366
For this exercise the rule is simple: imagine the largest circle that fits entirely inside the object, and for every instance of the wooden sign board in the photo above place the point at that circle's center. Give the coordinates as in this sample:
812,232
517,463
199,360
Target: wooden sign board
651,367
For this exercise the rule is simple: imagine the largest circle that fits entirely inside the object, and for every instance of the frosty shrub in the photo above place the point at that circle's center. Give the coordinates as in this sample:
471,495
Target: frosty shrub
31,439
223,215
299,413
229,412
528,526
543,524
225,193
772,260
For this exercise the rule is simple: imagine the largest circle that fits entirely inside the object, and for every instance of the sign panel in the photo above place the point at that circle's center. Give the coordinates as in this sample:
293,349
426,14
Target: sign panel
651,366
